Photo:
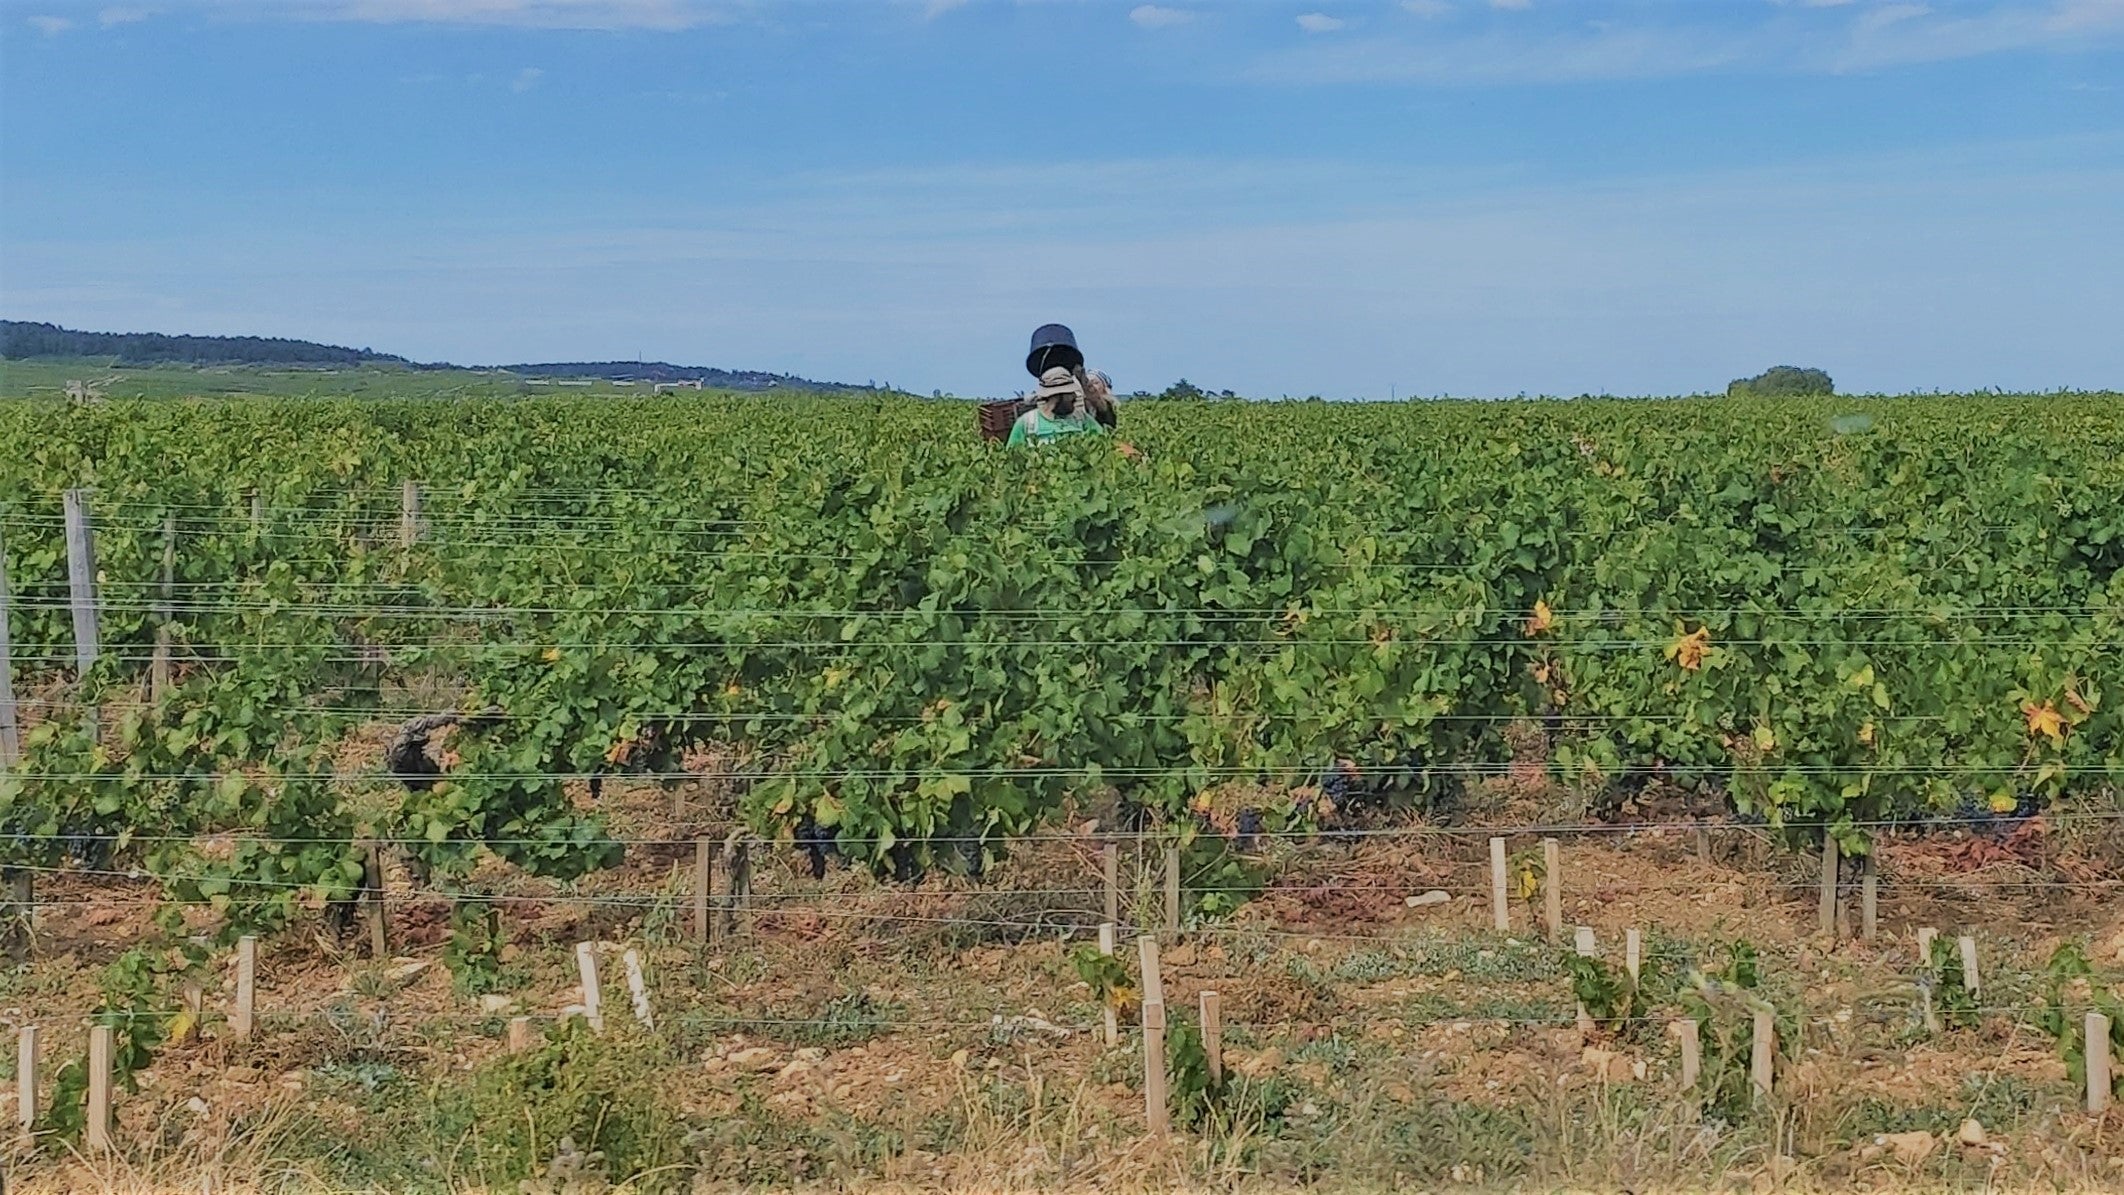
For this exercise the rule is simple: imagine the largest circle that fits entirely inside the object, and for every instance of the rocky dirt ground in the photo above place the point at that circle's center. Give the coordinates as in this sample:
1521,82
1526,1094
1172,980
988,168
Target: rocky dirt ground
859,1035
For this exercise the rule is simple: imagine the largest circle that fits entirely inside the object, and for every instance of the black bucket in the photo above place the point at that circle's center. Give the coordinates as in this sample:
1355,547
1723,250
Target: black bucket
1052,345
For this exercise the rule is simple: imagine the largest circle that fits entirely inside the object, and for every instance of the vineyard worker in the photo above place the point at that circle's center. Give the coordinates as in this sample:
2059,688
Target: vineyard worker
1059,410
1055,345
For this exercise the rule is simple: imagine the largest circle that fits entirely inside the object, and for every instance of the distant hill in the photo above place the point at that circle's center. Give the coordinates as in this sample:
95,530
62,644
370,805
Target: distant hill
23,340
661,371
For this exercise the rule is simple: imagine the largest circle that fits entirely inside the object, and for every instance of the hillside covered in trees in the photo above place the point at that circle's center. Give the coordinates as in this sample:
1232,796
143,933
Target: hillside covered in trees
22,340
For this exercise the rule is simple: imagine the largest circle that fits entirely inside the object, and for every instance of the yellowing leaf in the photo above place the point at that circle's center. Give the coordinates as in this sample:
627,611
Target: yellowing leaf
1542,619
2003,802
1765,739
552,655
1865,734
2044,720
1689,650
1863,678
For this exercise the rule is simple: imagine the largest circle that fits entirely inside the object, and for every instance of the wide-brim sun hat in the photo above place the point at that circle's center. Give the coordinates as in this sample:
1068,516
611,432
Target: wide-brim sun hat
1057,381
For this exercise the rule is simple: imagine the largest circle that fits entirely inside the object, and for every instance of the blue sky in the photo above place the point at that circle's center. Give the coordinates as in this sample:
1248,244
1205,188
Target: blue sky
1342,197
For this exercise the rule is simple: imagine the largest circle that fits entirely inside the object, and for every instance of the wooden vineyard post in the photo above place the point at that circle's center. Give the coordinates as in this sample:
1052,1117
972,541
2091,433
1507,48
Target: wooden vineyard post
1500,904
243,1018
1765,1053
703,886
2098,1064
1869,898
10,724
101,1043
1552,888
1156,1114
409,514
1110,864
1213,1035
26,1059
1703,844
1172,889
593,994
81,588
372,879
1925,936
1113,1020
1826,914
519,1034
257,513
165,611
1970,978
1634,954
1692,1051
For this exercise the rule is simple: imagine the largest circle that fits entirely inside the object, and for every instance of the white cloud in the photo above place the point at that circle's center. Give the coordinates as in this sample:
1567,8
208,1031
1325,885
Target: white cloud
1320,22
1871,37
113,17
526,79
50,26
531,14
1152,16
1427,9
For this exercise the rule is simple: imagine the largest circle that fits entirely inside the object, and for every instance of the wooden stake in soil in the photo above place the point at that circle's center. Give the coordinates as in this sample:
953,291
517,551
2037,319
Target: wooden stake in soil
519,1034
1582,942
1869,899
1552,888
244,1017
1765,1055
593,994
2098,1064
1925,936
1692,1052
703,886
99,1087
1826,915
10,726
1970,978
1172,889
738,857
1500,904
1156,1115
638,988
1703,845
372,878
1213,1035
1113,1020
1633,953
26,1078
257,512
159,670
1110,863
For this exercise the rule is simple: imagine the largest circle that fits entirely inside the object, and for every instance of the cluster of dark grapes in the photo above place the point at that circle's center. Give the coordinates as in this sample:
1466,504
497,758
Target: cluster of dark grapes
1248,828
91,851
817,843
1976,815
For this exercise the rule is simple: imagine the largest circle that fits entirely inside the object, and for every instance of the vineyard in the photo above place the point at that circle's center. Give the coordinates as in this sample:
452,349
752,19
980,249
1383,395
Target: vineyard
272,661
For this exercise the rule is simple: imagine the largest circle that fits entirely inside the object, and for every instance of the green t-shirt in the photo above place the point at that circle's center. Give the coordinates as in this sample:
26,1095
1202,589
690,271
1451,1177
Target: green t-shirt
1035,427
